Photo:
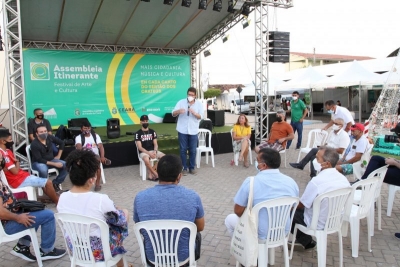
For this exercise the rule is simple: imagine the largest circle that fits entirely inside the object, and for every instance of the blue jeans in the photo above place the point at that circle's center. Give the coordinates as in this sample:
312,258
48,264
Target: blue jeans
43,170
45,219
188,142
297,126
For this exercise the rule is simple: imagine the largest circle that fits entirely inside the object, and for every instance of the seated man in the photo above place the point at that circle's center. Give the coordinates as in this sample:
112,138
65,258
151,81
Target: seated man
327,180
146,142
338,139
357,149
91,140
39,120
270,184
43,159
170,201
16,177
281,131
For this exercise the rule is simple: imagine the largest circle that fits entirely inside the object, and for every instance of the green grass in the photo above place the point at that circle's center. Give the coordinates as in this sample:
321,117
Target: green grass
385,155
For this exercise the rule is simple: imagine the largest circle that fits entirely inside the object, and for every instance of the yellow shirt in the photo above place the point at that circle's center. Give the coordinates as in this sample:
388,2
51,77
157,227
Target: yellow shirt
241,131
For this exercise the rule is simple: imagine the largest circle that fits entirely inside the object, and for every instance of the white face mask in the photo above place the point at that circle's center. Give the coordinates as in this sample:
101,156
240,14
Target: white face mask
190,98
336,127
256,165
317,165
294,98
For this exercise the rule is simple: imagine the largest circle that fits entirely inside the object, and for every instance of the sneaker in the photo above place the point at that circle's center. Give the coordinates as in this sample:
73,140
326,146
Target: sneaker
297,148
296,166
23,252
397,235
184,172
56,187
56,253
310,245
193,172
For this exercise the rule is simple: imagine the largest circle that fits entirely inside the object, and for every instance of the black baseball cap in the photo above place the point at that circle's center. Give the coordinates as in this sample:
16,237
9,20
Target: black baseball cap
144,118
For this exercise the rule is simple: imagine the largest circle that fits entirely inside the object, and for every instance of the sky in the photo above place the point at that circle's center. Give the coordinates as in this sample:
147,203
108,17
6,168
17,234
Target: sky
352,27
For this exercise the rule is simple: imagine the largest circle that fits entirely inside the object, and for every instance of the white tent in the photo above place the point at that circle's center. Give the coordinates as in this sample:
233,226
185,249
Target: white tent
304,81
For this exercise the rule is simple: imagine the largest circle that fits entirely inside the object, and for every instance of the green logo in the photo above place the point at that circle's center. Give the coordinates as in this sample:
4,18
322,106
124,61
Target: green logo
77,112
40,71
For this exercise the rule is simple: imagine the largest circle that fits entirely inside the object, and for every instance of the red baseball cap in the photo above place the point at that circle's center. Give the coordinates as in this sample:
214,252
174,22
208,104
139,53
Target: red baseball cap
358,126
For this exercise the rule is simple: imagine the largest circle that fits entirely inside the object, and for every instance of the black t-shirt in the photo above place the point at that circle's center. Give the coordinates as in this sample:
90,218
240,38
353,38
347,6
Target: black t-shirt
32,125
146,138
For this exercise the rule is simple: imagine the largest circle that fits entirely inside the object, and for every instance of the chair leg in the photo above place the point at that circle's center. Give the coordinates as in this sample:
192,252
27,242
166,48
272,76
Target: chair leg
207,157
198,155
371,220
379,203
262,255
370,230
125,261
286,253
293,239
103,178
35,244
271,256
236,158
340,248
321,248
392,192
355,236
212,158
298,158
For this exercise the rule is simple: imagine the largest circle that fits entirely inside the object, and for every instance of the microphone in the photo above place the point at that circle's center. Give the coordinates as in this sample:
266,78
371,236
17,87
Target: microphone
188,110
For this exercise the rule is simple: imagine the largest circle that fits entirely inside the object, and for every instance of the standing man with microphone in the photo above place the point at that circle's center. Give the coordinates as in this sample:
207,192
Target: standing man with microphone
190,112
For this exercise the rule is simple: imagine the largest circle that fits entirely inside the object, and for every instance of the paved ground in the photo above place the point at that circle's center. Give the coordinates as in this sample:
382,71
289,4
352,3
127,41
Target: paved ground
217,187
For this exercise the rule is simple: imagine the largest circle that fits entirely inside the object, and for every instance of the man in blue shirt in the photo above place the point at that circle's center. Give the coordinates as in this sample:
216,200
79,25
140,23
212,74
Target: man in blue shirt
269,184
170,201
190,112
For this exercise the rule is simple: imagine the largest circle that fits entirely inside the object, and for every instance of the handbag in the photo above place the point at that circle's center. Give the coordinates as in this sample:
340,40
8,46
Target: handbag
24,205
244,244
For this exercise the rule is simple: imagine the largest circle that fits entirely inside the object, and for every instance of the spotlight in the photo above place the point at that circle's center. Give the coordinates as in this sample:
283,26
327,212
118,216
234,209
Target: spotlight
246,10
207,53
203,4
217,5
168,2
186,3
230,6
224,38
245,23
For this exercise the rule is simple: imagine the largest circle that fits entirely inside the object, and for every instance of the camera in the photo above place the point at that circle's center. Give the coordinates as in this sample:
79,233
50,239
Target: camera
393,138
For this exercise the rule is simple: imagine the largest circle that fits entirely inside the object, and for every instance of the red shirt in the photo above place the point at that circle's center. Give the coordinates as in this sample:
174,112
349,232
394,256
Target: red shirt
14,180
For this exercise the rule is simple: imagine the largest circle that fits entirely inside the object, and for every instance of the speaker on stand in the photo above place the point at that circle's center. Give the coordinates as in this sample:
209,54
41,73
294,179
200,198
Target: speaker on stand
113,128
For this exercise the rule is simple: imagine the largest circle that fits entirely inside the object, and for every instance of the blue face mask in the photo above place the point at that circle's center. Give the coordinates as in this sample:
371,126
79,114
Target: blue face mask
330,111
256,165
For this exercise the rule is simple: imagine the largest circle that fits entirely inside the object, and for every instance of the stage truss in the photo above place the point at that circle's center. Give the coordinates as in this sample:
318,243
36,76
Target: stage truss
14,63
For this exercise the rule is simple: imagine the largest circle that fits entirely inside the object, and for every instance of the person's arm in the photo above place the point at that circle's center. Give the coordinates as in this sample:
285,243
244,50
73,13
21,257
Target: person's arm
305,111
238,210
31,137
340,150
356,158
48,126
78,142
22,218
140,148
348,125
200,224
328,125
392,162
60,144
194,113
102,152
36,154
177,110
300,206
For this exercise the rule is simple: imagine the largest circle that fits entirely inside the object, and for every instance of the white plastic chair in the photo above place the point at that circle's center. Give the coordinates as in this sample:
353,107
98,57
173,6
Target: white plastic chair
315,138
237,154
77,229
392,193
279,212
283,152
142,167
381,172
360,211
337,200
204,145
165,248
34,241
29,190
103,177
360,166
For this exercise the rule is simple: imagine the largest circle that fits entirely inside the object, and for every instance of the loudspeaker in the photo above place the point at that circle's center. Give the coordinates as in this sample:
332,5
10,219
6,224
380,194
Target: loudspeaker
206,124
271,120
168,118
217,117
113,128
76,122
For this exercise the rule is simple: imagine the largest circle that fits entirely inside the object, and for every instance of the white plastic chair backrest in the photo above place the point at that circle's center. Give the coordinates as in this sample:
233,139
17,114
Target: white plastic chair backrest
164,247
77,229
381,172
4,178
279,212
203,135
316,138
28,154
367,155
337,200
368,189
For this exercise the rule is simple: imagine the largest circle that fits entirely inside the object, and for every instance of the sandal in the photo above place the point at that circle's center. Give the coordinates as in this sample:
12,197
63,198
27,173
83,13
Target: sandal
246,164
97,188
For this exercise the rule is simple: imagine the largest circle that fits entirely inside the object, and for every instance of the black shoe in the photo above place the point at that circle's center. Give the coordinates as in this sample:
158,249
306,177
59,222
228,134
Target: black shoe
397,235
310,245
23,252
297,148
296,166
56,253
312,175
56,187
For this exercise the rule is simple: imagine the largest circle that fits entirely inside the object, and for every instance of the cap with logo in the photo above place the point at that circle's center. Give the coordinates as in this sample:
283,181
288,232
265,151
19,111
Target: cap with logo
144,118
358,126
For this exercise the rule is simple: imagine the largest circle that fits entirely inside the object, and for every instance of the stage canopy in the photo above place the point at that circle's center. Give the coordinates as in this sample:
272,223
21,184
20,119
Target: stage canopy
304,81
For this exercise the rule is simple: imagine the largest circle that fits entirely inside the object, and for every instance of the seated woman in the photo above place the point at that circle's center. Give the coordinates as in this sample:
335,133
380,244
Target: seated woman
241,138
82,165
393,173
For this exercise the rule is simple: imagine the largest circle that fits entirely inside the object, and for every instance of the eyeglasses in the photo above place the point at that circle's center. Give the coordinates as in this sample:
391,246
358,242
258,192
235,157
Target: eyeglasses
192,95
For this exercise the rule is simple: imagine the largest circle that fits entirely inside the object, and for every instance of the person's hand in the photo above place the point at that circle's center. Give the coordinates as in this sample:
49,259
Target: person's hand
390,161
153,155
57,157
191,111
301,120
103,160
58,164
281,140
323,129
26,219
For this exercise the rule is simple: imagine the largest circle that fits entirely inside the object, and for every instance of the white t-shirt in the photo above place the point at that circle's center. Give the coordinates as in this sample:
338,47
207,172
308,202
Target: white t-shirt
358,146
327,180
340,139
89,143
87,204
343,113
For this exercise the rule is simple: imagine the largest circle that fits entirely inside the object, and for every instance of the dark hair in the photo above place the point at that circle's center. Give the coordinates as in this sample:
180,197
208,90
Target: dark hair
85,124
271,157
82,165
296,92
36,109
4,133
330,155
169,167
193,90
329,103
246,123
40,125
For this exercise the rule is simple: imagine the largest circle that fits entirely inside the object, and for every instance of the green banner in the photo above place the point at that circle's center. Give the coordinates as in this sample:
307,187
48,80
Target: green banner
98,86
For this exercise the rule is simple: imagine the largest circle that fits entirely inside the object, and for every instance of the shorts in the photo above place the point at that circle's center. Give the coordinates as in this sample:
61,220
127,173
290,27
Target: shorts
347,169
34,181
144,155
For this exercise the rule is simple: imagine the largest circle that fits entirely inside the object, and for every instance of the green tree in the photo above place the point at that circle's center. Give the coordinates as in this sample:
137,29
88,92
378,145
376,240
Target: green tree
212,92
